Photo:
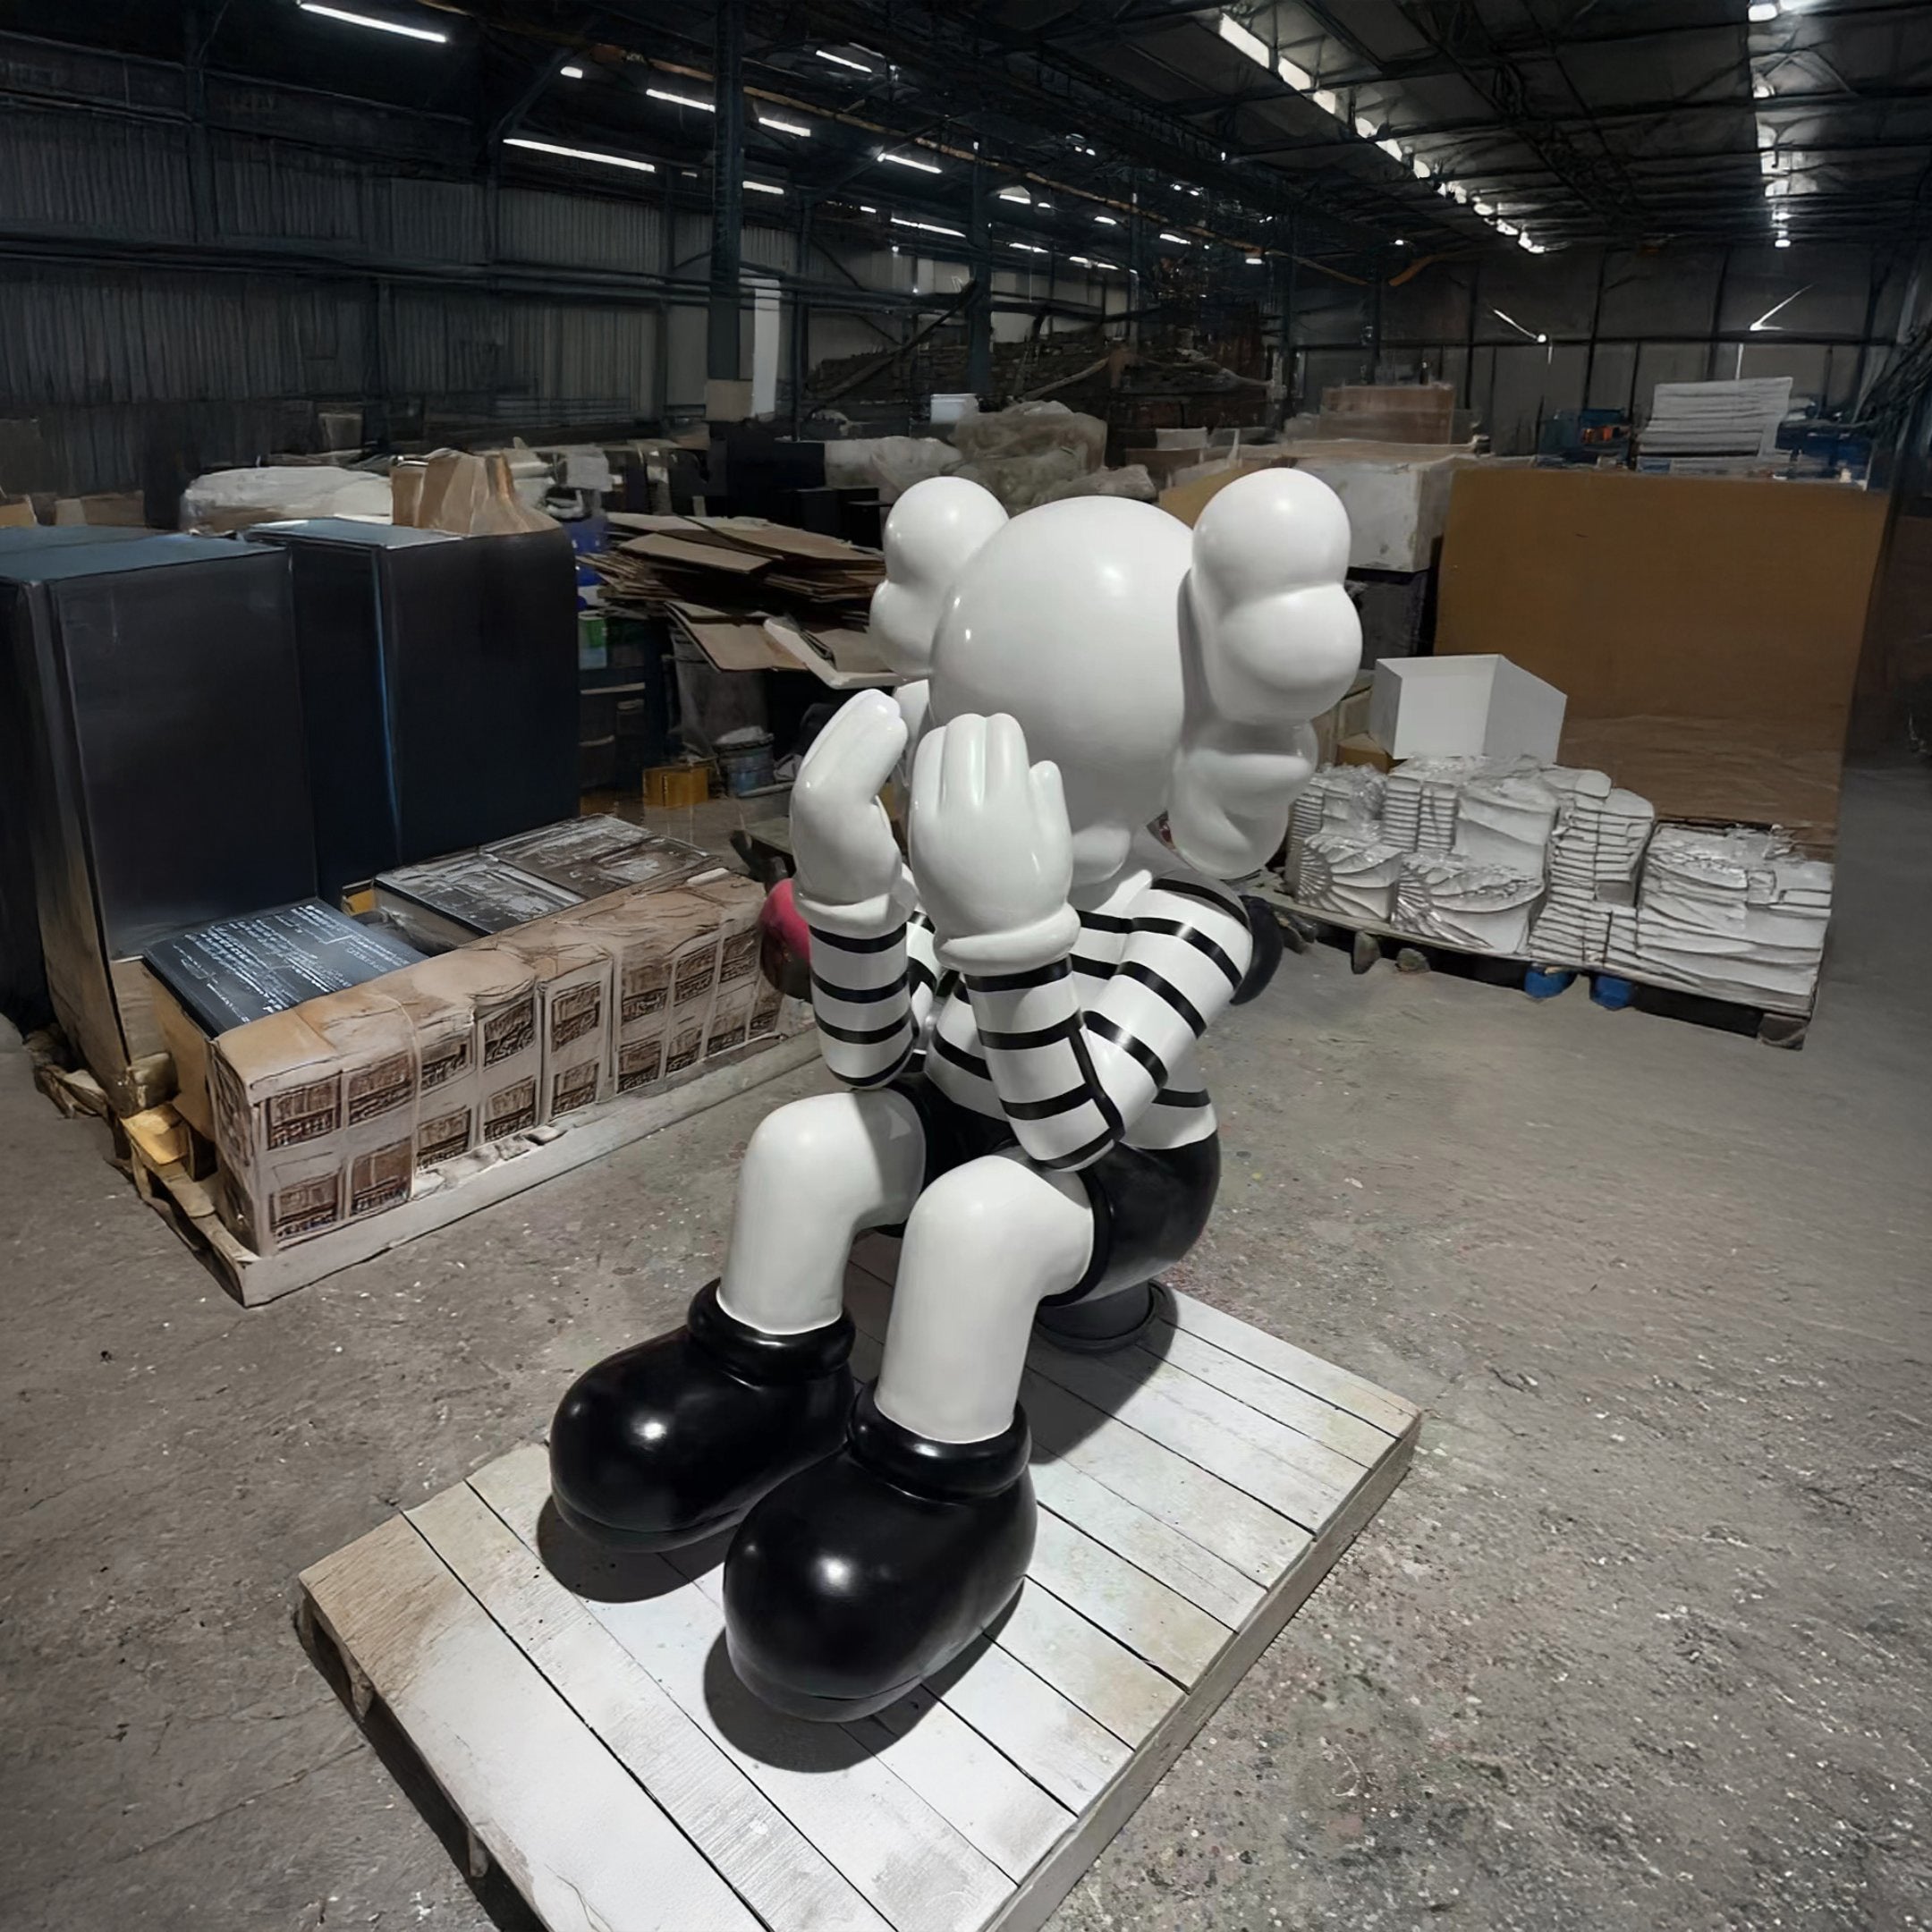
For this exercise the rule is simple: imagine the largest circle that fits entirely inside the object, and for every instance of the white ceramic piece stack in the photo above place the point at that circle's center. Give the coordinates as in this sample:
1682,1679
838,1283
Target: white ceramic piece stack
1350,875
1594,854
1464,902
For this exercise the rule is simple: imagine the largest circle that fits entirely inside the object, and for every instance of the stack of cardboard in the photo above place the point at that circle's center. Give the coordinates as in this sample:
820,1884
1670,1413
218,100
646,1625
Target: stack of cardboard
322,1113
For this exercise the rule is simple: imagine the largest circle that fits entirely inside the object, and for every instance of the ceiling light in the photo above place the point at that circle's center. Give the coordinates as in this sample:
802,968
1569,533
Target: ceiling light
572,74
1045,208
866,208
1762,9
900,221
370,19
759,187
1484,208
1508,228
580,154
1168,235
1111,267
1365,127
1107,221
839,60
1014,194
1761,89
1239,37
1782,241
1299,78
1525,241
1458,191
1325,99
683,100
1079,261
1254,261
1418,167
1027,247
1402,240
900,160
783,127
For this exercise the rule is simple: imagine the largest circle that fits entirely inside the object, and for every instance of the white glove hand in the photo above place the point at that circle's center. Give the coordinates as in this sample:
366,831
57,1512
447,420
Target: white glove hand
992,851
841,836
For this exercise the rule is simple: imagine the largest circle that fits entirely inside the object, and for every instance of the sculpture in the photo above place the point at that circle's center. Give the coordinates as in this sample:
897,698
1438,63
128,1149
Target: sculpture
1014,1018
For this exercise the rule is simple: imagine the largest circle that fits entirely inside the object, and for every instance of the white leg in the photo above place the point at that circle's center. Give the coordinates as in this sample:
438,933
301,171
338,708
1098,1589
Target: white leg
817,1172
983,1246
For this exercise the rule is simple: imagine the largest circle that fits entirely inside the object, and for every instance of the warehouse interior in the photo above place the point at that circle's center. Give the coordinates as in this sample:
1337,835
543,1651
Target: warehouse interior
473,475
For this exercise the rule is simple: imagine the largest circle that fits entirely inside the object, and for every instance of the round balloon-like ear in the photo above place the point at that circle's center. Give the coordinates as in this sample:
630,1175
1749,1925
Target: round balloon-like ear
1269,640
932,532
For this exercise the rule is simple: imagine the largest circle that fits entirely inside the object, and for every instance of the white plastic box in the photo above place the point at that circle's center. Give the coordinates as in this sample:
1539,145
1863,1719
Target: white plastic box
1464,706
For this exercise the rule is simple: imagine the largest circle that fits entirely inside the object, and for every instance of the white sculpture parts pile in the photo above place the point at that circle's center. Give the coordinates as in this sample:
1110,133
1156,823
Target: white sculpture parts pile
1559,866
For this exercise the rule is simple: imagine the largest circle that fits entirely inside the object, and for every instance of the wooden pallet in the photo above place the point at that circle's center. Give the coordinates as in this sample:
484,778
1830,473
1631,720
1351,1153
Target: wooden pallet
455,1188
579,1713
1782,1025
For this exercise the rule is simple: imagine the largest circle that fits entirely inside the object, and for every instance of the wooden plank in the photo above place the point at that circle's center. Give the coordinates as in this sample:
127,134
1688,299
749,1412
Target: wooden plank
1361,1441
1036,1901
1137,1387
1389,1413
985,1796
1081,1662
1226,1520
580,1838
1151,1620
912,1866
763,1858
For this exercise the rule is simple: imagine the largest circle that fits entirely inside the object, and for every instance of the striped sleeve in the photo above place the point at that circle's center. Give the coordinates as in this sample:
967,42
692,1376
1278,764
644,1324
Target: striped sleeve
872,997
1073,1082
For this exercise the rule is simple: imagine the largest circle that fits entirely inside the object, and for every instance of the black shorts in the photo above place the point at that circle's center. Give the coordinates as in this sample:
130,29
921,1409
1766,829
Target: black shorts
1149,1204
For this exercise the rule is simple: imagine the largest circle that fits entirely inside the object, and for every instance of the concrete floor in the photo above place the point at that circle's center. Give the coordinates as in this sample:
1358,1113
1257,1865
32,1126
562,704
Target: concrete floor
1641,1641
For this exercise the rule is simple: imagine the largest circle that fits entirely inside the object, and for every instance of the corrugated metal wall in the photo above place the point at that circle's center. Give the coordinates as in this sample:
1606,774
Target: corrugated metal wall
173,335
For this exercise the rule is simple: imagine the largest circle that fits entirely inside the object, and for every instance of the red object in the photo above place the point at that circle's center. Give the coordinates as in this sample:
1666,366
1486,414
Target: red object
786,951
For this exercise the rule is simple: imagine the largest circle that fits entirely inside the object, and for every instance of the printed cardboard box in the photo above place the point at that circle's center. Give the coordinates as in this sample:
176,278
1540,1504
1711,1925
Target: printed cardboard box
315,1115
657,941
573,974
475,1015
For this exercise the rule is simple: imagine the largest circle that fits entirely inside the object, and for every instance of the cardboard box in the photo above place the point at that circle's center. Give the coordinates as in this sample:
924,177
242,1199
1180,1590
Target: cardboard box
467,896
315,1116
1468,706
475,1015
1706,631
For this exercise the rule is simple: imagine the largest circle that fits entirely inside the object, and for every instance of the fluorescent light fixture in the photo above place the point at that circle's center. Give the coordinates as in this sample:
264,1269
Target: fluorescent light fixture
1782,241
370,19
1111,267
1168,235
580,154
1299,78
1027,247
1365,127
866,208
901,221
572,74
783,127
764,187
681,100
1079,261
900,160
1484,208
1016,194
839,60
1391,147
1254,261
1523,241
1045,208
1508,228
1325,99
1762,9
1418,167
1402,240
1107,221
1239,37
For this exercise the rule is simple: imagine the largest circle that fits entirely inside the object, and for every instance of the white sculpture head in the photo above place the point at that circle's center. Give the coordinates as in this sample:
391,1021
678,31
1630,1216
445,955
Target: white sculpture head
1165,671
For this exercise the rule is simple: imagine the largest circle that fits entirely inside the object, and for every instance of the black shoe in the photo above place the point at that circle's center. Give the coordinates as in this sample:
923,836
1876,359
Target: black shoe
668,1442
859,1577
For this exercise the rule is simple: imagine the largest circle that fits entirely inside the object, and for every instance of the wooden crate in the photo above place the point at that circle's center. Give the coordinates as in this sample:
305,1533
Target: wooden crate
592,1737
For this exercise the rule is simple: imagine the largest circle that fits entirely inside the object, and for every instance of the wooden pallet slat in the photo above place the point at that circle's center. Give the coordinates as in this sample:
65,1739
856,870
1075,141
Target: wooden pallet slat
580,1713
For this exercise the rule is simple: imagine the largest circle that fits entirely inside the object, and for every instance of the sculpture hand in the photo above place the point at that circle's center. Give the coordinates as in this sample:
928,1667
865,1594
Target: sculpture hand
841,836
992,851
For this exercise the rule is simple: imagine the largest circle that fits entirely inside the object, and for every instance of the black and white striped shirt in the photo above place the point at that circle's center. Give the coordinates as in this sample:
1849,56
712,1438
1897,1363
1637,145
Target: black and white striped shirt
1078,1056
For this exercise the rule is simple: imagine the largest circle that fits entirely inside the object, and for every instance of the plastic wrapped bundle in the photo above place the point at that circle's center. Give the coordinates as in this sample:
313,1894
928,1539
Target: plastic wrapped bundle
1349,877
1465,904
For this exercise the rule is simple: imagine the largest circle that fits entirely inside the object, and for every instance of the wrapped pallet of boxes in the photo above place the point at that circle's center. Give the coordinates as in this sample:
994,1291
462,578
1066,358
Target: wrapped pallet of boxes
475,1014
315,1116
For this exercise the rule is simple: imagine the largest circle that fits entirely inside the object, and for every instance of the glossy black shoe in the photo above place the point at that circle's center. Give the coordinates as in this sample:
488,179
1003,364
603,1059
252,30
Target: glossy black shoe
668,1442
863,1575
